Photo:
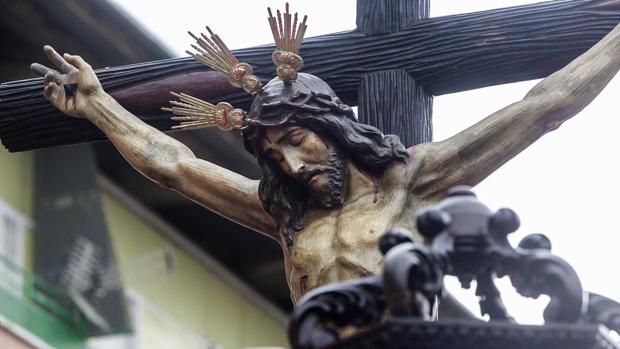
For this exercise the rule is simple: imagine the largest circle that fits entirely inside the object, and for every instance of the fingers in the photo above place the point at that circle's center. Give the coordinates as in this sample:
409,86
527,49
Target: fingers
58,61
76,61
56,95
49,75
49,90
51,93
40,69
52,76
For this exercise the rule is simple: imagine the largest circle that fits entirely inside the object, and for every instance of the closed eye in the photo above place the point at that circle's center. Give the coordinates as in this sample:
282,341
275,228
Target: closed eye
296,137
274,155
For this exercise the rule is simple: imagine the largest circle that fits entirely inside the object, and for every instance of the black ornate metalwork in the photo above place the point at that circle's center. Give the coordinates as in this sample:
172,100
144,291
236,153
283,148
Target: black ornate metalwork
602,310
474,240
409,333
412,276
464,238
323,313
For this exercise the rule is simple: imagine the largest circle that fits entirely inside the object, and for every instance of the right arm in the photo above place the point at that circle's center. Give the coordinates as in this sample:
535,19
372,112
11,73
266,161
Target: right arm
157,156
170,163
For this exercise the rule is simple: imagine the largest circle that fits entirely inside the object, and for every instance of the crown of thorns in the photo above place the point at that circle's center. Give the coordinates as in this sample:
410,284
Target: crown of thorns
192,112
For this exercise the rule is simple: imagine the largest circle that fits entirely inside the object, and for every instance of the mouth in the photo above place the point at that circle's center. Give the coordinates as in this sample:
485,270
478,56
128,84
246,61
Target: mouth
310,176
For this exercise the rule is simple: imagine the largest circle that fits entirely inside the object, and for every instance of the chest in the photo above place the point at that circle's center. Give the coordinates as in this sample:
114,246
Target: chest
353,229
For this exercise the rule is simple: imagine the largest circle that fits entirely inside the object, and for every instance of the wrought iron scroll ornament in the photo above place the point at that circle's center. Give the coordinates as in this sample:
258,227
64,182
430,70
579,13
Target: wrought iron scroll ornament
474,240
464,238
324,313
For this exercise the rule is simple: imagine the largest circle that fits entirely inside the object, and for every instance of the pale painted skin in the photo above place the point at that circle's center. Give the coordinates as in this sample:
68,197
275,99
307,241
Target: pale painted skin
339,244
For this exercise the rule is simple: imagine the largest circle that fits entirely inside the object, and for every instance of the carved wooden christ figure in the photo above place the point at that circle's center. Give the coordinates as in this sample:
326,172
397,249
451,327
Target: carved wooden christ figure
330,184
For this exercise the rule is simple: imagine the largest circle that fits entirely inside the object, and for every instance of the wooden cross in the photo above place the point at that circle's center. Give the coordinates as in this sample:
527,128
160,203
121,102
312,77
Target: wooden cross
391,66
392,99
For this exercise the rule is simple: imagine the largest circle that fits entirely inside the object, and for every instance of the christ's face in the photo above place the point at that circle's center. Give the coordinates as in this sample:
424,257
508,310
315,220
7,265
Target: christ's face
309,159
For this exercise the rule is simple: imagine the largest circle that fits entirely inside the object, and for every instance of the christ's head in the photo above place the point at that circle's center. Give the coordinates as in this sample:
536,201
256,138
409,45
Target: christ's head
304,137
313,161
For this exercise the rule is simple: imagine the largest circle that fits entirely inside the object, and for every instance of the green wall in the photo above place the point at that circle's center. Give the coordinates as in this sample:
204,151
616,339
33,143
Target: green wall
198,301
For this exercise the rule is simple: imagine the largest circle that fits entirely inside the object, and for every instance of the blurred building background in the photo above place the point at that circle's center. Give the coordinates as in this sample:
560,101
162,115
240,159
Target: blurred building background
92,254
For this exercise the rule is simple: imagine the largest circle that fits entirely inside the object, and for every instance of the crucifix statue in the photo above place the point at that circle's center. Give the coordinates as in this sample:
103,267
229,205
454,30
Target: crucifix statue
331,184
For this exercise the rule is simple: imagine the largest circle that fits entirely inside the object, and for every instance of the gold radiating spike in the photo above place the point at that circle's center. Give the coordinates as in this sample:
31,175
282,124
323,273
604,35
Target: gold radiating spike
195,113
286,33
288,36
212,52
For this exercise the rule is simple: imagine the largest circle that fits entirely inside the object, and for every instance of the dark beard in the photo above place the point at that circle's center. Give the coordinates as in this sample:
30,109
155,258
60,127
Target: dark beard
333,196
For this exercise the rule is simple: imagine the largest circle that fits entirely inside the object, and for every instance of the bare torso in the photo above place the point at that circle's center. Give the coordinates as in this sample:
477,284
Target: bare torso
341,244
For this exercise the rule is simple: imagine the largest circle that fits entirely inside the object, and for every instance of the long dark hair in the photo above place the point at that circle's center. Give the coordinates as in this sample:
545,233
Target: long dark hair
311,103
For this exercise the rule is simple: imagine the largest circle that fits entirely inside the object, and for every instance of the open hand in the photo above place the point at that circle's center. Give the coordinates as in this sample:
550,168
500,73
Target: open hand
69,87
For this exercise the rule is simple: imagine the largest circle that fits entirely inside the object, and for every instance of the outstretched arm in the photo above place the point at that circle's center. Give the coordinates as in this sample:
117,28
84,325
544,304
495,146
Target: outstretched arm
470,156
76,92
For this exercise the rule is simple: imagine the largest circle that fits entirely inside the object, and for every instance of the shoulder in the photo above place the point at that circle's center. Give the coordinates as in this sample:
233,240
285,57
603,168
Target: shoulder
403,172
430,169
422,173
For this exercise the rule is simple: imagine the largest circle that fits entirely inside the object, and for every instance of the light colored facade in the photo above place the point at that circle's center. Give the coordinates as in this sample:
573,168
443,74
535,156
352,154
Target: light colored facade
178,297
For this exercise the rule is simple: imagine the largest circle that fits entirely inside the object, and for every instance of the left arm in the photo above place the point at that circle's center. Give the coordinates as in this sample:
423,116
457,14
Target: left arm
473,154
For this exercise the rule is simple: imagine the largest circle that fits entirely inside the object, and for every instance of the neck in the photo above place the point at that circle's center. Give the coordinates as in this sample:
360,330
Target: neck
358,183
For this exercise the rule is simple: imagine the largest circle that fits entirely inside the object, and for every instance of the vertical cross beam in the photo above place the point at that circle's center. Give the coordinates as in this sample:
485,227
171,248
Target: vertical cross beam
391,99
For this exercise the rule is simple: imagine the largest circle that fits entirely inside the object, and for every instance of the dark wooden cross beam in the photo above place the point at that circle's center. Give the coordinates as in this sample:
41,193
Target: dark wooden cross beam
392,99
417,57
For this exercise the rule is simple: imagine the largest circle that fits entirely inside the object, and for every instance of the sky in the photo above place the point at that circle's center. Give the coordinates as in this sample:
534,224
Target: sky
564,186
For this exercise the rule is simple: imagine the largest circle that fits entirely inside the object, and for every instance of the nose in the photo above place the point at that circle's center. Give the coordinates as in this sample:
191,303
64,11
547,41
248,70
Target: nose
294,164
296,167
